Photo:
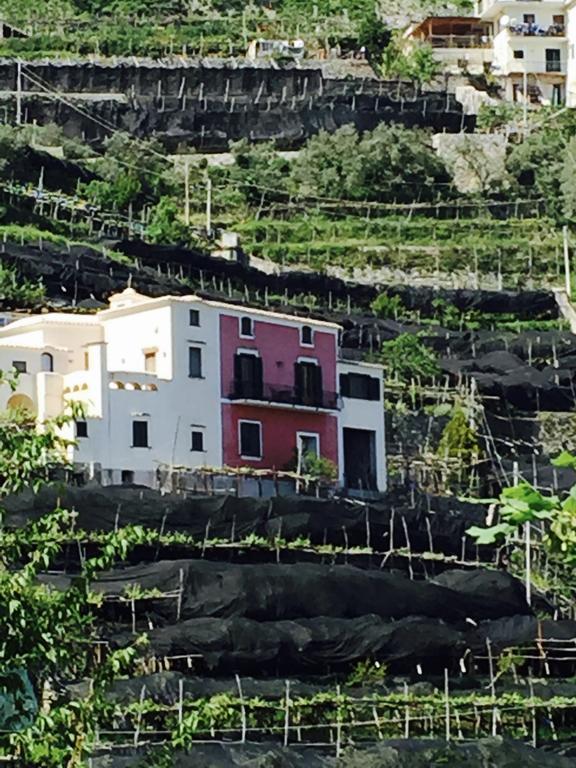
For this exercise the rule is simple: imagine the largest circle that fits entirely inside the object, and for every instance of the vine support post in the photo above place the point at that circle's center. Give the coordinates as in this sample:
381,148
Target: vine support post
287,714
567,278
447,702
492,687
180,700
242,708
406,714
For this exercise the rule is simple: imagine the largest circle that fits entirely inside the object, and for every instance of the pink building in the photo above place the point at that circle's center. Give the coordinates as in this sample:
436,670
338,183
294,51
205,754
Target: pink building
285,394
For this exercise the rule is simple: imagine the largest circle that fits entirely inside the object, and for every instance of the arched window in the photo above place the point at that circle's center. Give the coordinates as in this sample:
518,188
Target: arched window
47,362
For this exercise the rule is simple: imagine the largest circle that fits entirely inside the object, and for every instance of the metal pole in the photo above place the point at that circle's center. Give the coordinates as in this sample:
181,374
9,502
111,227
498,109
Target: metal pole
568,281
18,92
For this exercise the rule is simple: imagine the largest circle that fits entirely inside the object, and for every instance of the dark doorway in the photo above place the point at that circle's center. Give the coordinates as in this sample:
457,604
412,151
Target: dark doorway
360,459
248,376
308,380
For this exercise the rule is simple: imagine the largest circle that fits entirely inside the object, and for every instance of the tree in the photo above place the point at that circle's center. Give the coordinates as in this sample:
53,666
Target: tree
406,357
541,164
45,632
391,163
165,225
133,172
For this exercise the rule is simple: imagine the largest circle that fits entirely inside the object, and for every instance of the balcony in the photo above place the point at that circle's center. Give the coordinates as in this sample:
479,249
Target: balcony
460,41
292,397
536,30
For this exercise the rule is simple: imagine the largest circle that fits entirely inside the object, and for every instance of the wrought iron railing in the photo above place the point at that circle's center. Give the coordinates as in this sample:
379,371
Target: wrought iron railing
254,390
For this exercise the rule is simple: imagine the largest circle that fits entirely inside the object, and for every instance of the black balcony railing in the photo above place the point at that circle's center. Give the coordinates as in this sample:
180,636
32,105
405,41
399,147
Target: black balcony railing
267,393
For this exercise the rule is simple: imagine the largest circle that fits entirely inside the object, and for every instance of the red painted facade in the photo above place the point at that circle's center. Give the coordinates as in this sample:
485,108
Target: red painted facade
279,347
279,430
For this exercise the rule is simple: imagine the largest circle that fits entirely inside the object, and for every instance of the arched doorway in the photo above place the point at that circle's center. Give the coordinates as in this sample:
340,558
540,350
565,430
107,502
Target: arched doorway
19,402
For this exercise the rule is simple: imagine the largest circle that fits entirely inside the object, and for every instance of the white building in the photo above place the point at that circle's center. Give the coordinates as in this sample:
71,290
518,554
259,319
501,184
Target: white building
180,382
530,44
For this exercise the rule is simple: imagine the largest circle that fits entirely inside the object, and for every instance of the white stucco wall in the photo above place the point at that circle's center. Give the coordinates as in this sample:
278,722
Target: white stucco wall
364,414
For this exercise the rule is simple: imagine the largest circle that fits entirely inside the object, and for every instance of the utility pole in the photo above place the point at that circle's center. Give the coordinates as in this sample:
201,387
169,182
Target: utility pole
208,205
187,192
567,277
18,92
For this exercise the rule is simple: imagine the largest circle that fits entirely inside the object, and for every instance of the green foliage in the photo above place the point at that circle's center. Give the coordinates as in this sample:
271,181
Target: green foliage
133,172
386,306
517,506
46,631
17,291
459,440
367,672
407,357
417,64
319,467
165,225
390,164
538,163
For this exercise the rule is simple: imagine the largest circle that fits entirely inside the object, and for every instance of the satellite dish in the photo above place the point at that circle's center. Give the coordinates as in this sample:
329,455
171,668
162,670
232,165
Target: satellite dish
504,20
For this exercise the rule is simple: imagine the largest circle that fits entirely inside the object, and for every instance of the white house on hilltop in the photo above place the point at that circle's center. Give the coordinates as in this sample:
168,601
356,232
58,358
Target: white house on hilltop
187,383
528,45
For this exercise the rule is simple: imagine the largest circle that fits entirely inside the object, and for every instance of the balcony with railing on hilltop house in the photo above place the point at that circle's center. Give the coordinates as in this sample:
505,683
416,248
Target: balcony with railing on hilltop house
307,391
492,9
459,43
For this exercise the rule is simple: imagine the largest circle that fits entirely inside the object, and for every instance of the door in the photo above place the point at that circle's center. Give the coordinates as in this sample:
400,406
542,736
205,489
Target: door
553,63
308,381
248,376
360,459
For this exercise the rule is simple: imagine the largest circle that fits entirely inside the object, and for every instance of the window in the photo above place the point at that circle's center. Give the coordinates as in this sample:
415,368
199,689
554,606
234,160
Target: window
529,18
248,375
359,386
307,336
553,63
194,317
308,381
250,439
81,429
558,20
19,366
86,361
140,434
47,362
308,444
518,54
197,441
246,327
195,362
150,362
